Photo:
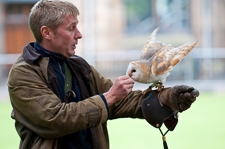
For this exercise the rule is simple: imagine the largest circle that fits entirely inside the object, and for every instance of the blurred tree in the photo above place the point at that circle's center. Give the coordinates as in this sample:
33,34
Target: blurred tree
137,11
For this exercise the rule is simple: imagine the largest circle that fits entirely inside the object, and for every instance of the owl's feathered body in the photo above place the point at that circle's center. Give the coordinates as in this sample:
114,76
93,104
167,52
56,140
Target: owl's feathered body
156,60
144,73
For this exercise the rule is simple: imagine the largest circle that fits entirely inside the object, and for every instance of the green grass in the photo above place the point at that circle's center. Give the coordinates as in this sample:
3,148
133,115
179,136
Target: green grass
202,126
8,135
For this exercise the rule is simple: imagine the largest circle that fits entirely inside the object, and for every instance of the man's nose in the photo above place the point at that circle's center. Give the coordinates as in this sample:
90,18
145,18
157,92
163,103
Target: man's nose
78,35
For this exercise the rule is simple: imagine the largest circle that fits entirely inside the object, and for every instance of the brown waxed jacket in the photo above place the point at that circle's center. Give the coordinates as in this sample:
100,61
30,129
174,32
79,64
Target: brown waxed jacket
41,118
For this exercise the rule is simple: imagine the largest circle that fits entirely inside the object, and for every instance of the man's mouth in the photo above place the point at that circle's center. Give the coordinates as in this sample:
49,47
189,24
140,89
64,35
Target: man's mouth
74,46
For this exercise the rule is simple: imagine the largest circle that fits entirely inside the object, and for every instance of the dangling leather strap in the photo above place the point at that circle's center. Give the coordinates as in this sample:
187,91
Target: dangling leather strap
164,138
68,95
68,84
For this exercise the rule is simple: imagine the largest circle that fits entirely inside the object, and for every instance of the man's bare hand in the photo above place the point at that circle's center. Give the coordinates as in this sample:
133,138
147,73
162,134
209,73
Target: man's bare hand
121,88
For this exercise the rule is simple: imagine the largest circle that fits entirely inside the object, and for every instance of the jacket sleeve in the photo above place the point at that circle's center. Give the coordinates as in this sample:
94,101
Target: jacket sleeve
39,109
130,106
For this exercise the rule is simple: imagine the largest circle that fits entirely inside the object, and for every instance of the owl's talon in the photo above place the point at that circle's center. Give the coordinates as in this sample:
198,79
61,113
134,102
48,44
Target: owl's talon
147,90
160,86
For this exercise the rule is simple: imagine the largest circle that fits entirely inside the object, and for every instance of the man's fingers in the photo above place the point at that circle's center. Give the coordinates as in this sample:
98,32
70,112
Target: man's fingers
124,77
124,84
129,86
126,80
187,97
195,93
182,89
129,81
185,101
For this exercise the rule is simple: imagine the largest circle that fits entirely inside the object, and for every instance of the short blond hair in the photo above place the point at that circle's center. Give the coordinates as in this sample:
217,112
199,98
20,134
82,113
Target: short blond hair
49,13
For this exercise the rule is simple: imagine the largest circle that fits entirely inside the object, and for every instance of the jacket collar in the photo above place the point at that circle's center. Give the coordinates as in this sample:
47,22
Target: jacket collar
79,68
30,54
46,53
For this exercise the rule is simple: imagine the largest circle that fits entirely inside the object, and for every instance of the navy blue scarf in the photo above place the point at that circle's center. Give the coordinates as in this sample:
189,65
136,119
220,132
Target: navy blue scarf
80,139
57,62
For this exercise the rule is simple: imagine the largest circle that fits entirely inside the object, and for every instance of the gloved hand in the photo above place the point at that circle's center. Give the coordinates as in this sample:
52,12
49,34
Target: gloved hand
179,98
162,106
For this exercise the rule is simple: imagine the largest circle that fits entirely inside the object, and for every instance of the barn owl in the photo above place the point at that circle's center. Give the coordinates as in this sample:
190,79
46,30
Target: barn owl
156,60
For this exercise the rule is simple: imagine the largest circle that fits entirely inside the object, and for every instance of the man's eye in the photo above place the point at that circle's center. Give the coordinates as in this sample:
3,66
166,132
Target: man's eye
72,28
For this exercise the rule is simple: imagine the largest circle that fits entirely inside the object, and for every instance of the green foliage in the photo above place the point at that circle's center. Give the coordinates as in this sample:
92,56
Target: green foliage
202,126
137,10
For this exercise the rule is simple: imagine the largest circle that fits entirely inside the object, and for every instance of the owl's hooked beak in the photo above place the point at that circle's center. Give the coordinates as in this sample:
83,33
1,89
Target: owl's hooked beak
132,71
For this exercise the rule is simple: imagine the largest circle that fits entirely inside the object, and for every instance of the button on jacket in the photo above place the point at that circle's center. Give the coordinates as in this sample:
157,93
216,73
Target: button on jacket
40,116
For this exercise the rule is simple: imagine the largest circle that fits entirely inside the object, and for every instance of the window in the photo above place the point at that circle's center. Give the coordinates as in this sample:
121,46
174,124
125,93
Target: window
145,15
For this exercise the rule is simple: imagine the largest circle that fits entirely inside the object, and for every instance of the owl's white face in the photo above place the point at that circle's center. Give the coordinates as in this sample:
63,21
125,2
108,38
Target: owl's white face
133,71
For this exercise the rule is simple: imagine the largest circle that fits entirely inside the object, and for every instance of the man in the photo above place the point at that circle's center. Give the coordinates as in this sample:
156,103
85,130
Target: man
58,99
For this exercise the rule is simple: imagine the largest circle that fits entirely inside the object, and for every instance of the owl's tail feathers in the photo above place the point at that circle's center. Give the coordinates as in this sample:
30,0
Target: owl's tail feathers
183,50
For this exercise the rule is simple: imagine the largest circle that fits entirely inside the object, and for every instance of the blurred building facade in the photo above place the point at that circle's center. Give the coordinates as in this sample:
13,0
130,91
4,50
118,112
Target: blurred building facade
207,23
99,21
103,22
114,31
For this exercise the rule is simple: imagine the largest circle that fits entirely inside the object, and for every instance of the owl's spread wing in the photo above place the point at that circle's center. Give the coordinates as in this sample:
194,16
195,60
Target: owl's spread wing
168,56
151,46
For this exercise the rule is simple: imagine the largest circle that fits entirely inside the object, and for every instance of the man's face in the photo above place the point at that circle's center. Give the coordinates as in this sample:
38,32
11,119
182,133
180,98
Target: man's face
65,39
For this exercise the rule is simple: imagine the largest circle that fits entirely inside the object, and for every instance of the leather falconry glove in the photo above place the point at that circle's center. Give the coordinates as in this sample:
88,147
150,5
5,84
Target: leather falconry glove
179,98
162,106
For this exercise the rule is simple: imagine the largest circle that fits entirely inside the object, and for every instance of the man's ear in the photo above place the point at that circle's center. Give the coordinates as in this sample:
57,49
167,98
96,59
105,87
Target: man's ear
46,32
